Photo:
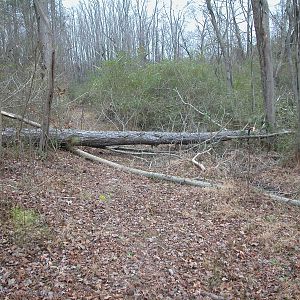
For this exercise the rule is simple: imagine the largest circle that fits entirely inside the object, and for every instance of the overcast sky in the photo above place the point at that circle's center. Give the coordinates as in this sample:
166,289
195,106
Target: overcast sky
70,3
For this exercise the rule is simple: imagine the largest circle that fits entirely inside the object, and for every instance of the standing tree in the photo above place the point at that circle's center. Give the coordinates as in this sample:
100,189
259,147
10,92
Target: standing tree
293,43
297,34
224,49
261,23
46,44
1,150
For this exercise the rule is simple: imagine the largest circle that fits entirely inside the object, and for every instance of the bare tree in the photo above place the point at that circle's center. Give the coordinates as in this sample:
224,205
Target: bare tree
294,19
47,50
224,49
283,33
1,128
247,14
261,23
237,31
297,33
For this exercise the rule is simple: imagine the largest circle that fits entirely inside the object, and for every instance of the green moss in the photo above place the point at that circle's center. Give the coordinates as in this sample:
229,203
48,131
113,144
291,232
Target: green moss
28,227
24,217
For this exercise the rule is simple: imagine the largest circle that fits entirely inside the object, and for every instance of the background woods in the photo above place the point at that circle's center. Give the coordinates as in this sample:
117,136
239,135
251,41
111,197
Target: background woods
149,149
152,65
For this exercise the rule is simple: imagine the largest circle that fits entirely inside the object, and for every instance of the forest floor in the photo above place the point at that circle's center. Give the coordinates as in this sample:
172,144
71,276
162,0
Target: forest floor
74,229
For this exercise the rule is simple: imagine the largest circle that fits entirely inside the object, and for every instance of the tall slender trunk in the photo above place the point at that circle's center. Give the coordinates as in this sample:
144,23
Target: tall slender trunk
224,49
1,128
296,4
237,32
46,45
262,29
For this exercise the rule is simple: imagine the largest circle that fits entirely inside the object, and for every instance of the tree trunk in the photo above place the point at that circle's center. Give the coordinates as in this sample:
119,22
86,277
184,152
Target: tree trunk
1,127
101,139
237,32
46,45
296,4
293,57
153,175
223,47
262,29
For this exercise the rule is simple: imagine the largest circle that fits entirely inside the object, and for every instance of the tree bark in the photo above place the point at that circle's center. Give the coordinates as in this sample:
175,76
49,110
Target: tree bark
224,48
1,127
237,32
293,57
296,4
100,139
262,29
46,44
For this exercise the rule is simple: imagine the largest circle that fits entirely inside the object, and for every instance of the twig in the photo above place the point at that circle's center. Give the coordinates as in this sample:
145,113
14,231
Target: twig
198,111
28,98
139,152
80,96
17,91
196,163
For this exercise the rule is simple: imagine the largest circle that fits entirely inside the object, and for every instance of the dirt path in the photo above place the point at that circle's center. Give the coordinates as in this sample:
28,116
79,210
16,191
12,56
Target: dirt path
109,235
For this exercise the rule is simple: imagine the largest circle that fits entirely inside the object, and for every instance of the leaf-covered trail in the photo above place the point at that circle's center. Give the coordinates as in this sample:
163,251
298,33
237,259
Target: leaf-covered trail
111,235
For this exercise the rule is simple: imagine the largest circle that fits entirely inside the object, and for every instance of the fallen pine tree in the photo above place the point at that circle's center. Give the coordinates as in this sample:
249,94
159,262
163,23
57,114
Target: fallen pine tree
68,138
99,139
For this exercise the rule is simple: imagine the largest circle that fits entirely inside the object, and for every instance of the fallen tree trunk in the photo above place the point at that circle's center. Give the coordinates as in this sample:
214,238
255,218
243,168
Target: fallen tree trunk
20,118
153,175
99,139
175,179
10,134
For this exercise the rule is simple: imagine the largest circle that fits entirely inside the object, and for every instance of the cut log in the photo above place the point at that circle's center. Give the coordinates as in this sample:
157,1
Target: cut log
99,139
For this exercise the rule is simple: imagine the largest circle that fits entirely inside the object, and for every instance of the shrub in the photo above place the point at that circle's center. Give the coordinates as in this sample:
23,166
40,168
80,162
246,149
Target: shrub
148,97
